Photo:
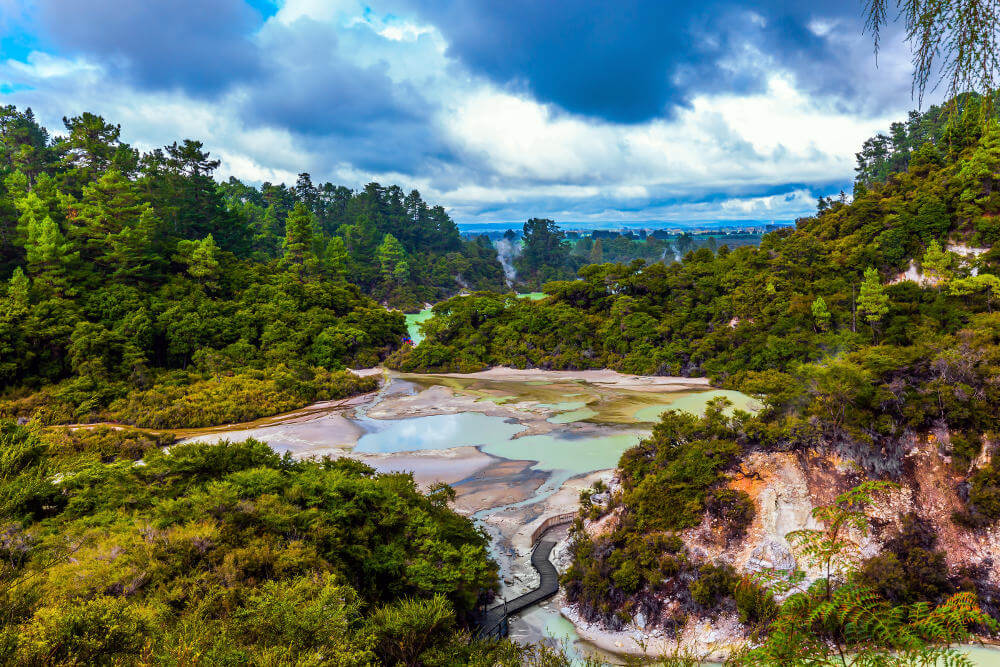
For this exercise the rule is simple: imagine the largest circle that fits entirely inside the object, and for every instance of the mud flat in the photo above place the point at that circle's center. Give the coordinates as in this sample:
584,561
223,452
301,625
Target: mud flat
450,466
603,377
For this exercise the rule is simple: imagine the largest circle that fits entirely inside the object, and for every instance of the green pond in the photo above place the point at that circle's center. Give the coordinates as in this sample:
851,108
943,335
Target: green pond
436,432
591,430
695,402
413,322
575,454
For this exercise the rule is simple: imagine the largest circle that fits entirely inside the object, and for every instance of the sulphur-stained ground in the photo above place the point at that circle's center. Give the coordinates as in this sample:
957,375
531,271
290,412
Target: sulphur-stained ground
785,487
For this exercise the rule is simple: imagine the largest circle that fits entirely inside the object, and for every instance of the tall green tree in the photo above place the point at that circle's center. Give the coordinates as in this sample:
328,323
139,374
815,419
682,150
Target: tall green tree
390,255
335,258
202,260
821,314
133,252
298,245
107,206
49,256
873,302
544,250
597,252
92,147
936,263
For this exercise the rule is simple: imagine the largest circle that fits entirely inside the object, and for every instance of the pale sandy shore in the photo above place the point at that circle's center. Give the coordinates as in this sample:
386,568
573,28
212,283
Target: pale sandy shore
434,465
604,377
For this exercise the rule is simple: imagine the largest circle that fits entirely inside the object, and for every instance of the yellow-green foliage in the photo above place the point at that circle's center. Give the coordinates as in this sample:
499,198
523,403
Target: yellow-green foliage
223,554
234,398
181,399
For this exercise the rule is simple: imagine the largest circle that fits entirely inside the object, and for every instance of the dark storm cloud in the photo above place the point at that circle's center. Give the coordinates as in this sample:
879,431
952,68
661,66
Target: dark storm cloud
200,46
358,113
634,60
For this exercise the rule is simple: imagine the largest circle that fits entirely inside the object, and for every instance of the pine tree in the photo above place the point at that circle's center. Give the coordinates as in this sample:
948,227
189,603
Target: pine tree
401,273
597,252
18,293
980,172
299,232
202,260
390,255
936,263
49,255
873,301
106,207
335,257
821,314
132,250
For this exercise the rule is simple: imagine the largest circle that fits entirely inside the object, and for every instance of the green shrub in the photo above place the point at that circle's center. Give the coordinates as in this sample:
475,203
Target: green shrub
225,554
733,508
909,569
714,583
100,630
754,603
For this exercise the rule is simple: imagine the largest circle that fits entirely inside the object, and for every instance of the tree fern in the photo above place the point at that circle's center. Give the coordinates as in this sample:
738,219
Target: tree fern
837,620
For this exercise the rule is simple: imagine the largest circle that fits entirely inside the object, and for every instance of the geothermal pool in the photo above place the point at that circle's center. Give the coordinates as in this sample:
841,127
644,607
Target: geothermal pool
517,446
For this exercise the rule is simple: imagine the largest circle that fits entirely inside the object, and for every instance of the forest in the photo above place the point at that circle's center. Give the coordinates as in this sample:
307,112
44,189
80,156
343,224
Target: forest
137,289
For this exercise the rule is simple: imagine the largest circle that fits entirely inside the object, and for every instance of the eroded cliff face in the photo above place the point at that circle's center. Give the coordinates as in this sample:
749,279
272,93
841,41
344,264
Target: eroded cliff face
785,487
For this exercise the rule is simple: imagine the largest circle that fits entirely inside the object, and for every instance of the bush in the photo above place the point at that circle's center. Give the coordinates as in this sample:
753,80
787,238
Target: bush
104,443
984,493
733,508
714,583
754,603
236,398
224,554
101,630
909,569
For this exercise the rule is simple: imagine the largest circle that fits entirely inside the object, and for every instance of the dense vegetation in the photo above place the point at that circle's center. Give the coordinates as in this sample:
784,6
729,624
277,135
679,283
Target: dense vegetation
810,318
850,356
390,243
133,287
227,554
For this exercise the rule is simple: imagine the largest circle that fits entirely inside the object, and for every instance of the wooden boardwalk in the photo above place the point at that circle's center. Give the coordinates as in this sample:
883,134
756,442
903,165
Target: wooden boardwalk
494,621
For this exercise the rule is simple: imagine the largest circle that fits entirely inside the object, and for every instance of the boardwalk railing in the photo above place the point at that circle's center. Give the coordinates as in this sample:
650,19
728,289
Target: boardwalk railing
494,623
552,522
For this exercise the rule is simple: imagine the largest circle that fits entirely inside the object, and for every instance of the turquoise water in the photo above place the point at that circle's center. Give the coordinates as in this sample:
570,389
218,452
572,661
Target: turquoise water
695,403
436,432
495,435
413,322
575,455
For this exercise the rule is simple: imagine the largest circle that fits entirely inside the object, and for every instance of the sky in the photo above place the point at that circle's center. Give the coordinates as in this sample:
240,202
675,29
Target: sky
500,111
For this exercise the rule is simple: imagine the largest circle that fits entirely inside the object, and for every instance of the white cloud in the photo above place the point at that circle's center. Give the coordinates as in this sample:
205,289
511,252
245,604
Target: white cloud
40,65
506,155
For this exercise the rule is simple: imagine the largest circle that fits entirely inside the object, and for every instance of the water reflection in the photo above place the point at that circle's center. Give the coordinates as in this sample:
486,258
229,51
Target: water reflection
436,432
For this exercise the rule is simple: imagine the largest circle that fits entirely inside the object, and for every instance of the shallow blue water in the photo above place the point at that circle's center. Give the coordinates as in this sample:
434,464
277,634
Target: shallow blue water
436,432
